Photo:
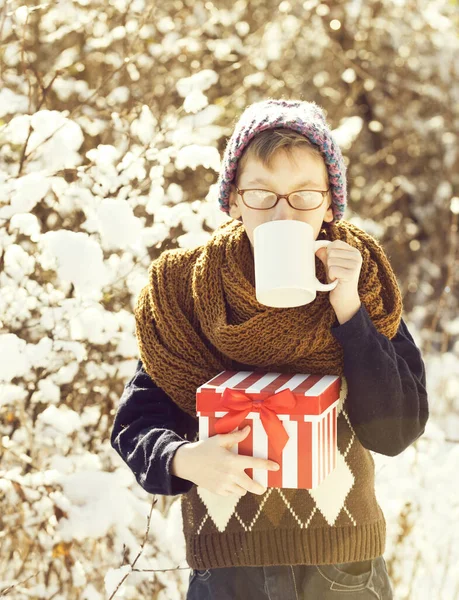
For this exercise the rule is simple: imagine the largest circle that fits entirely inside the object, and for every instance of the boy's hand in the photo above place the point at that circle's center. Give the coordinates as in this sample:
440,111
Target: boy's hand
211,464
342,262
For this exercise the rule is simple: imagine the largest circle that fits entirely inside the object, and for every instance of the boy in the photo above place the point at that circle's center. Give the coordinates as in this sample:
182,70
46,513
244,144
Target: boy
198,315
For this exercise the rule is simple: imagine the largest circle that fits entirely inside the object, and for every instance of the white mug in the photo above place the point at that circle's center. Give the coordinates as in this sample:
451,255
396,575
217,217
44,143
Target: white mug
285,270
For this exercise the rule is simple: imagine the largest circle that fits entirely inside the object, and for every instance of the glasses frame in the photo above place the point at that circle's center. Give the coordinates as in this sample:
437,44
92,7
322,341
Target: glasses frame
279,196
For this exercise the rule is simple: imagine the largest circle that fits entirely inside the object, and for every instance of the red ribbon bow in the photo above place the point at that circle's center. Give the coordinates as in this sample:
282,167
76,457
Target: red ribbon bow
239,405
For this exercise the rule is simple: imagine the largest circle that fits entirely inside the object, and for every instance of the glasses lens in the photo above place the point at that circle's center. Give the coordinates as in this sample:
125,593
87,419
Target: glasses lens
306,200
259,199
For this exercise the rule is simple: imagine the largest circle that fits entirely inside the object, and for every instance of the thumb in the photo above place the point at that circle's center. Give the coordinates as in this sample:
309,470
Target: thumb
234,436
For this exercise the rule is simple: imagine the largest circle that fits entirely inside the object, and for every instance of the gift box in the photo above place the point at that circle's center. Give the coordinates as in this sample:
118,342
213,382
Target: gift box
293,420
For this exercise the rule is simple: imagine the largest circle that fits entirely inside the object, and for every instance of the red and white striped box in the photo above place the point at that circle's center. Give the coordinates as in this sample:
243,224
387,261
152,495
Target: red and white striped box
293,419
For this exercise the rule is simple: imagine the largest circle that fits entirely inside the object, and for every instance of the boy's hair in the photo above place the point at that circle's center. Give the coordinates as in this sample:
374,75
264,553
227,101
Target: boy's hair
264,146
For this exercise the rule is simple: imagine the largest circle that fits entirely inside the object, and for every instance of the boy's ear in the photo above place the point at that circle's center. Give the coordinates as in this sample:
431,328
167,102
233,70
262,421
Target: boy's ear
234,209
328,217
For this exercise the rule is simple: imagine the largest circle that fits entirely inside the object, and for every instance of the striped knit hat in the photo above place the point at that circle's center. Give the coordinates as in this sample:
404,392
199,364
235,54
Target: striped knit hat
304,117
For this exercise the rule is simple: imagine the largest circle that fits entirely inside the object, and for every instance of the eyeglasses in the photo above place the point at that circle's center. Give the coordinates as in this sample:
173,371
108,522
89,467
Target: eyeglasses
265,199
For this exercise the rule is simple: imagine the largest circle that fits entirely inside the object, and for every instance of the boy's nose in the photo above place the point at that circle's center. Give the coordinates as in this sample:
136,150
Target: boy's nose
283,210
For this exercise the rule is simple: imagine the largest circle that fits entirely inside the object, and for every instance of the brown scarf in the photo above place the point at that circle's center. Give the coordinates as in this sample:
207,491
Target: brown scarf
198,314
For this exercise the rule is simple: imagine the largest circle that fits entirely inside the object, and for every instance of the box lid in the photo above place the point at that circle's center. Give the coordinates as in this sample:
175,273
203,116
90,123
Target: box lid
314,393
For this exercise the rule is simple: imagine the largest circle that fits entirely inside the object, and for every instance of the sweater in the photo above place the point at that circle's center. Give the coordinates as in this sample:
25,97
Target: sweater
386,411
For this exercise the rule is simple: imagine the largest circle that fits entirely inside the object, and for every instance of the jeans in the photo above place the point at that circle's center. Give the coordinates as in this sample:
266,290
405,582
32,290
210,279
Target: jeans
366,580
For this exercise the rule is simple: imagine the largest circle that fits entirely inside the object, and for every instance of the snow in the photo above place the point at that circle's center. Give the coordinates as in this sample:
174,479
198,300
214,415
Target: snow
195,155
78,259
25,194
14,361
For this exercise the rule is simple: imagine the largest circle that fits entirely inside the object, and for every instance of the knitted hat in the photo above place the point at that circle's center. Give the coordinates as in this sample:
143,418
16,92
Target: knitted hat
304,117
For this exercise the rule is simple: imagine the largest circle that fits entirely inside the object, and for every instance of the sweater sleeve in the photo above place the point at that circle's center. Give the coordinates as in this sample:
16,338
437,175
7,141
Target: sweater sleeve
148,430
387,398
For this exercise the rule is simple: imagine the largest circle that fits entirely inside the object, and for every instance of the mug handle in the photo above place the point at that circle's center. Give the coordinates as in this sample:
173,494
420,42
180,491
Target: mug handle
323,287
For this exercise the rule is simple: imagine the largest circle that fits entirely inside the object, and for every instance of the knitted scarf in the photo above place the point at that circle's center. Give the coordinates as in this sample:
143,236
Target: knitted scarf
198,314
